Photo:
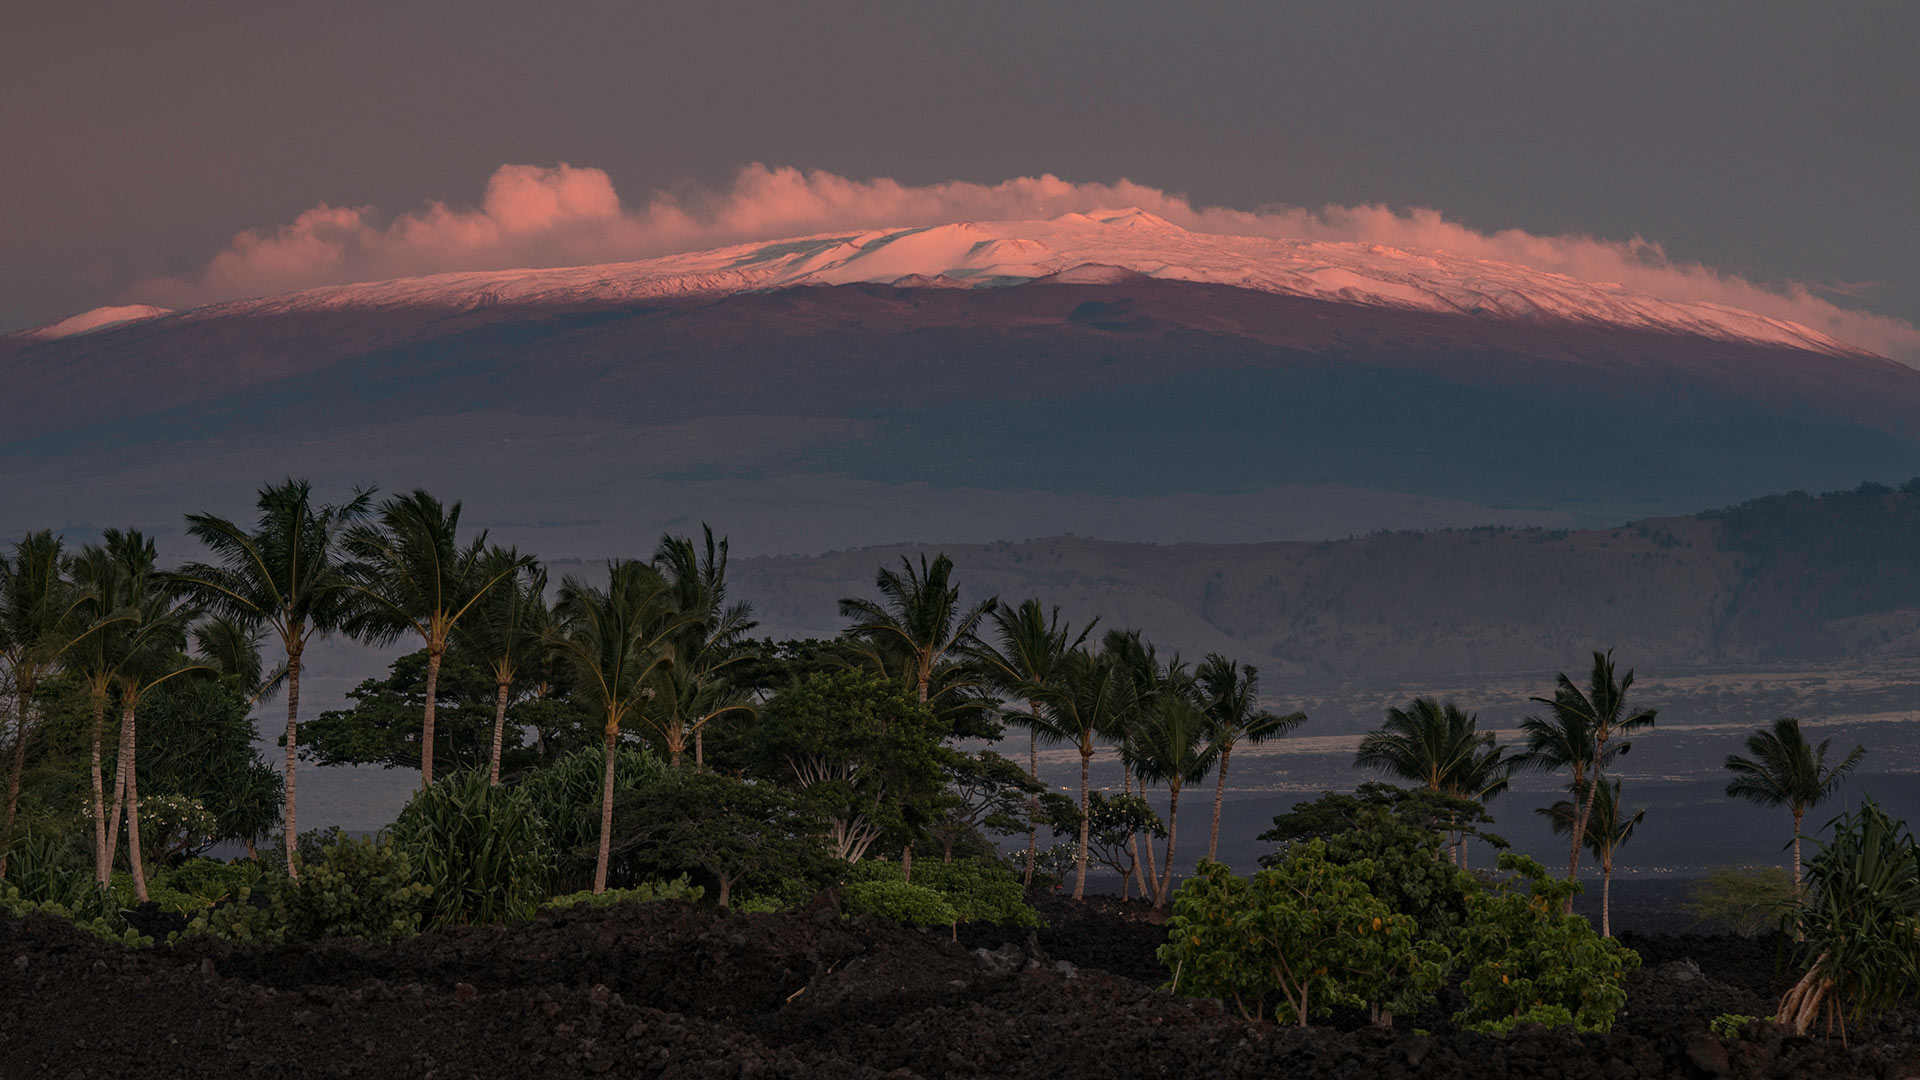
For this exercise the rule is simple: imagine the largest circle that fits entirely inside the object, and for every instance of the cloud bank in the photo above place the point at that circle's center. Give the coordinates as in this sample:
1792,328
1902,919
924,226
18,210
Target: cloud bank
532,216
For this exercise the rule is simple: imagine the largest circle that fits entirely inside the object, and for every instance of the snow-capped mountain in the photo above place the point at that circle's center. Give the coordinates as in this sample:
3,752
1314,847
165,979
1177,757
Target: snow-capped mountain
1091,249
1107,374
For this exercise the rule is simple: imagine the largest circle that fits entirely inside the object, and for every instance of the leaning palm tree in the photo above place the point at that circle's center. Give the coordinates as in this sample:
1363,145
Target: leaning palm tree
1171,746
511,630
615,639
918,616
1030,656
1606,831
700,688
1584,735
1232,693
1076,708
1786,771
155,654
417,579
289,573
42,615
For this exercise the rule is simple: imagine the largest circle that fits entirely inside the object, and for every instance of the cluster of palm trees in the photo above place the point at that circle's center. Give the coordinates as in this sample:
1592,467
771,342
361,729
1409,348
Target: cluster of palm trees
652,644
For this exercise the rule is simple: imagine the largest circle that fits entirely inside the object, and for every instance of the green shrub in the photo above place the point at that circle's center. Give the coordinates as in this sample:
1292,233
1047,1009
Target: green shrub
159,891
1529,962
481,847
1297,939
1857,922
647,892
759,905
43,870
211,881
909,905
239,920
1746,900
1729,1025
14,903
978,890
358,888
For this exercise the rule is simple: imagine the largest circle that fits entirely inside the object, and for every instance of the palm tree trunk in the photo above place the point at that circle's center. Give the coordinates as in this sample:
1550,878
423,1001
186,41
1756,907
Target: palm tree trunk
100,871
122,758
1797,815
1033,804
293,740
426,723
1606,897
1080,873
1173,829
906,863
606,812
1144,871
133,811
25,704
501,689
699,747
1219,793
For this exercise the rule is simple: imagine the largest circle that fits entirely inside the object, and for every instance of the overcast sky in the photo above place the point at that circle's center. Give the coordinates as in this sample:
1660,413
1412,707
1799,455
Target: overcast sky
1780,142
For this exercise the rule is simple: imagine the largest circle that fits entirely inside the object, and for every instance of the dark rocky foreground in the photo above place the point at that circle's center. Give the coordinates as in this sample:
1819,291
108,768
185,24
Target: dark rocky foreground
677,991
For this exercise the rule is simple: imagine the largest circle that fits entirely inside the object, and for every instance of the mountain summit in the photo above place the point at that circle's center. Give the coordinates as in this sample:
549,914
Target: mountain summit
1108,374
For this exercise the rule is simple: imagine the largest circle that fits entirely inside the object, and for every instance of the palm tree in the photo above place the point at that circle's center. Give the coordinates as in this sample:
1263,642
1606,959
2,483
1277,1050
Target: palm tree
1785,771
511,630
700,687
615,639
289,573
1032,651
418,579
1485,774
1232,695
1427,743
1584,735
1606,831
41,616
153,653
1080,704
919,616
1146,681
1170,745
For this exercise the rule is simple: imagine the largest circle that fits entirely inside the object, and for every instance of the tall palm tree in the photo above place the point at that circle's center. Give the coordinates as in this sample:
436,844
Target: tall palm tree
511,630
1427,743
154,653
700,688
1232,694
289,573
42,615
1487,773
1606,831
1171,746
615,639
1146,682
1080,704
1786,771
918,615
1585,733
417,579
1029,658
114,578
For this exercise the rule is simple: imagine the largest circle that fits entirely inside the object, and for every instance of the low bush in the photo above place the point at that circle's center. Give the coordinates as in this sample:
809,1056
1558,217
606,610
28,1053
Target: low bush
212,881
358,888
1746,900
480,846
1529,962
14,903
978,890
647,892
260,918
909,905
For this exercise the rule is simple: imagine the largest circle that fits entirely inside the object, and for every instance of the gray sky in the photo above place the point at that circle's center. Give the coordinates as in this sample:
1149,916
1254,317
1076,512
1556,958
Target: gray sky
1777,141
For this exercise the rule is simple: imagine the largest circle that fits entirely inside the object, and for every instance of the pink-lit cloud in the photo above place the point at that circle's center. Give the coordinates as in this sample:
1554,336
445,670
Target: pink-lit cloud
538,217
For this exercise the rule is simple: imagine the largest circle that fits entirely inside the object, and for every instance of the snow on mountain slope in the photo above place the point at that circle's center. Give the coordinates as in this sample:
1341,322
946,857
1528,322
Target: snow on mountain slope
1070,248
98,319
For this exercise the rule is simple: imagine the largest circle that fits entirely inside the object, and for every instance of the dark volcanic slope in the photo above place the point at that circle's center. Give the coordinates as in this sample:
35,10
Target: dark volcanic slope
878,399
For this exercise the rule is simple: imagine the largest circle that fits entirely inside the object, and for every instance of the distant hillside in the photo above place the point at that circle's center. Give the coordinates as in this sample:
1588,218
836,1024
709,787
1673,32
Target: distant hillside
1786,578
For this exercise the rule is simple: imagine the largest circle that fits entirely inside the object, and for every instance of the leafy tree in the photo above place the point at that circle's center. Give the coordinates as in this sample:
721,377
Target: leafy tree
1785,770
198,744
1307,932
1028,659
727,830
511,631
1606,831
614,640
417,579
41,616
701,686
1114,824
291,573
1858,923
1529,962
864,751
1232,694
1583,733
381,725
1746,900
984,792
1442,749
